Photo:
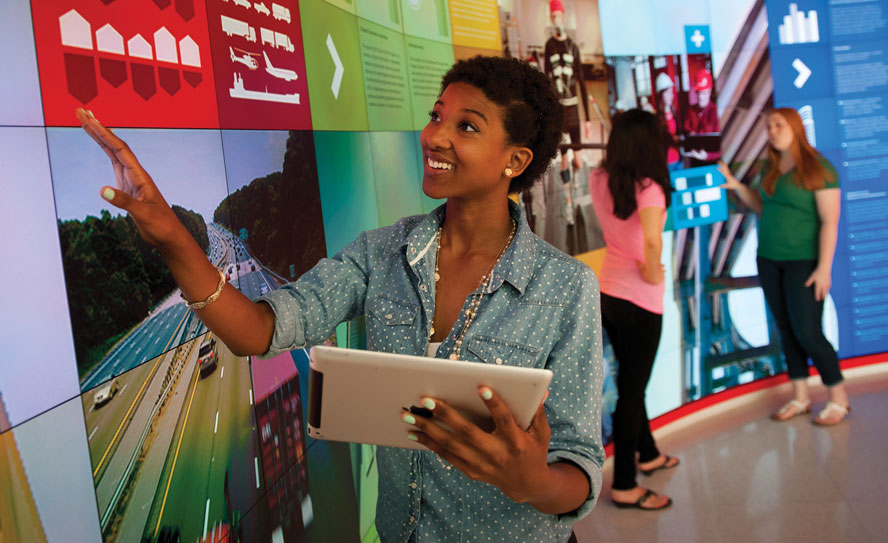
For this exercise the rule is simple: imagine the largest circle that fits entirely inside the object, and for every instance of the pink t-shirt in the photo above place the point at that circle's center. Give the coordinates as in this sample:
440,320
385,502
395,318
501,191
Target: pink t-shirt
619,275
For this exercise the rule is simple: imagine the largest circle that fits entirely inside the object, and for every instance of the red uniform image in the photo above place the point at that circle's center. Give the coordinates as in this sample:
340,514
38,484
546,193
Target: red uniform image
703,116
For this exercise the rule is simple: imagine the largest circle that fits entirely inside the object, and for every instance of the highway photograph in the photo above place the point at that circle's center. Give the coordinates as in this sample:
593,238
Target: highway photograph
124,305
255,211
174,448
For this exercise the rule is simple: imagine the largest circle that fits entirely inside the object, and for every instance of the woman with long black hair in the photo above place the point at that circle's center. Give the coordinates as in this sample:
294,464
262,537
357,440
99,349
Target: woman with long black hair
630,193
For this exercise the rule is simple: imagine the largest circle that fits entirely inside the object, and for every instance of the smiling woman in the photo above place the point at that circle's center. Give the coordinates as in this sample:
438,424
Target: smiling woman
469,281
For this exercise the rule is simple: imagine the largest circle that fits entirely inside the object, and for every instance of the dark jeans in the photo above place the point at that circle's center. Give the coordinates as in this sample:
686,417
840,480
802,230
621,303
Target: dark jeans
799,318
634,334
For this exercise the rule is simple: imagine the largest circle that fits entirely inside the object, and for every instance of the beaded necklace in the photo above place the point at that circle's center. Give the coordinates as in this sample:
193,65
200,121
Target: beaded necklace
475,303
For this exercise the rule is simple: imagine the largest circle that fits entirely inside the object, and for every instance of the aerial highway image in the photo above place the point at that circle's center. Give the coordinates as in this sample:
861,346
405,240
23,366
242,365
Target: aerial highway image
173,447
125,308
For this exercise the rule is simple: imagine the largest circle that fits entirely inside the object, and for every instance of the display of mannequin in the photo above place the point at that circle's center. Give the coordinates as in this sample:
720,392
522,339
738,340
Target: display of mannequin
561,61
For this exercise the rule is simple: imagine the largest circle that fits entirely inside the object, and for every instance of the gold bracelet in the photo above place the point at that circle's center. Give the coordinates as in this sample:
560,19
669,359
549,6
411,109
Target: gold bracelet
211,298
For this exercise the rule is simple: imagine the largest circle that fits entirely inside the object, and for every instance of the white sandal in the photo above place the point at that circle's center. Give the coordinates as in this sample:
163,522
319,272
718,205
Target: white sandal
786,413
830,408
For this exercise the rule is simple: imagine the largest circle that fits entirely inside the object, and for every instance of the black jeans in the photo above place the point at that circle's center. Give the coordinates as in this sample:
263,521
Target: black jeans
799,318
634,334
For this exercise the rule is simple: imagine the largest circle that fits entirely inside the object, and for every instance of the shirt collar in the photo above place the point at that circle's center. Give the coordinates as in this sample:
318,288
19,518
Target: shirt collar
516,265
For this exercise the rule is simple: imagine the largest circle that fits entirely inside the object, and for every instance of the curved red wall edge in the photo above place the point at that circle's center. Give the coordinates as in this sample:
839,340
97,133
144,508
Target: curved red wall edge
740,390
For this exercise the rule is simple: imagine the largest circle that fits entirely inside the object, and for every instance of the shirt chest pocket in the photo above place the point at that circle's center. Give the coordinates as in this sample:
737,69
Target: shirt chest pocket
392,312
493,350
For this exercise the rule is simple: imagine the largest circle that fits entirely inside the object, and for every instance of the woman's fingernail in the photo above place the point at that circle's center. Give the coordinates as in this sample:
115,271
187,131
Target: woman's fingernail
429,403
412,437
486,393
108,194
408,418
90,113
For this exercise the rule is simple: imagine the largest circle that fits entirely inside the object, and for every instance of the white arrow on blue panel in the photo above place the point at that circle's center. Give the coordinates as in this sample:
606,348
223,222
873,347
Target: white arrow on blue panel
804,73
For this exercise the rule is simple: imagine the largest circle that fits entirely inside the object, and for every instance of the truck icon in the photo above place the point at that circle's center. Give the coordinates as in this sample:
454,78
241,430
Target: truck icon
280,13
236,27
276,39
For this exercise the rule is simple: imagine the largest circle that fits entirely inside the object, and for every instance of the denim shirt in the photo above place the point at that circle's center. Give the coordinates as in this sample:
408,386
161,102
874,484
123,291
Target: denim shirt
541,310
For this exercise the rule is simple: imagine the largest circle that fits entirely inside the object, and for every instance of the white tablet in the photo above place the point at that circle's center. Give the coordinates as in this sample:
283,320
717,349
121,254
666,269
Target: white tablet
358,396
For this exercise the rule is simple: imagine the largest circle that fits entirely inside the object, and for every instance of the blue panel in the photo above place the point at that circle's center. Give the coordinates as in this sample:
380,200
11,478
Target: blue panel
819,117
697,39
698,198
793,22
790,67
860,68
858,21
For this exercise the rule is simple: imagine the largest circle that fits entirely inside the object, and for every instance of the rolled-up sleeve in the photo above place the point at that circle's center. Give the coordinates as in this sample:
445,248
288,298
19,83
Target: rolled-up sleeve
574,406
308,310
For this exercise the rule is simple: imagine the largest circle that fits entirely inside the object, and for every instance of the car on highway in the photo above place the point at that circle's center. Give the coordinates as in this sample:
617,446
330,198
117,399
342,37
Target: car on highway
206,356
106,392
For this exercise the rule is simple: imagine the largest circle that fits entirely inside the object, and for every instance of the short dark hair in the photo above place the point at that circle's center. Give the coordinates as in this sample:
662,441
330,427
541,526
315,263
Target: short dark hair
636,151
533,115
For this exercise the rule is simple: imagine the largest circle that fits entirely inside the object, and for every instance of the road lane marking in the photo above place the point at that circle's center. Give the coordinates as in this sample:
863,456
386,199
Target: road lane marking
256,465
126,416
175,458
206,518
91,434
216,426
221,375
251,396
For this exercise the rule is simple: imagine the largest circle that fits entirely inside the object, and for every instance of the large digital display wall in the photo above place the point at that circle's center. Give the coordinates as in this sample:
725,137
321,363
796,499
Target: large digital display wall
279,131
829,63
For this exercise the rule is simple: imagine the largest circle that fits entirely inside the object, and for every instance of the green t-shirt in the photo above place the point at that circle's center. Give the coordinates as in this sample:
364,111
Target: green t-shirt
789,228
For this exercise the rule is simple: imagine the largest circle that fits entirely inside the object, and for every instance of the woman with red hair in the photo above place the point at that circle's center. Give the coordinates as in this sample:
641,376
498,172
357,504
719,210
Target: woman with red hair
798,206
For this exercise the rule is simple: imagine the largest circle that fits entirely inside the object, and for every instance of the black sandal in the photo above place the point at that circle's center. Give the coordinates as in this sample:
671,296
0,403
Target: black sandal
638,504
664,465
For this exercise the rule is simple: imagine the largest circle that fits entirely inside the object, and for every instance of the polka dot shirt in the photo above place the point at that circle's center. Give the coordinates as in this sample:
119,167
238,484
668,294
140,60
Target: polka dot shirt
541,310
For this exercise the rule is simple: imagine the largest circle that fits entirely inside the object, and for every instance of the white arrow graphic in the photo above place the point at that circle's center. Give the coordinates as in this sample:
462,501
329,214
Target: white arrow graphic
337,74
804,73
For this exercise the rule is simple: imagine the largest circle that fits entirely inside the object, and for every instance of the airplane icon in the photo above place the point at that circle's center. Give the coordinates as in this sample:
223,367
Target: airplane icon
247,60
280,73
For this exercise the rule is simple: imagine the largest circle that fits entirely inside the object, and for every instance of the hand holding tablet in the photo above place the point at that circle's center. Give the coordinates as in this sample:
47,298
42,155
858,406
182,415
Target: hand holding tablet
361,396
509,457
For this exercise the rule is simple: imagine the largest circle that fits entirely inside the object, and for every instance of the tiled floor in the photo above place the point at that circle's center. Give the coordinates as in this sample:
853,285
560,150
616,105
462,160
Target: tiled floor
745,478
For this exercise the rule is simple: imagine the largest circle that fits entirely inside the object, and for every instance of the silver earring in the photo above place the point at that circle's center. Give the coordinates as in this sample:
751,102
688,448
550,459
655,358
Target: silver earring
508,172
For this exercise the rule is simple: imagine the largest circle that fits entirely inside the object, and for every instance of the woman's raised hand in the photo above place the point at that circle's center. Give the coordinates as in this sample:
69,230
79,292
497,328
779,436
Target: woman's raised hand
135,191
731,182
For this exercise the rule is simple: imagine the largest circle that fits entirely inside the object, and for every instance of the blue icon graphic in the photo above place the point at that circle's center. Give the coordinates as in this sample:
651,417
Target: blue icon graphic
697,39
698,198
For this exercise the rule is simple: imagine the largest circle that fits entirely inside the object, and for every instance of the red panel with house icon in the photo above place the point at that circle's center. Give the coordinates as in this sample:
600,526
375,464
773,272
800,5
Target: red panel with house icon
139,63
259,63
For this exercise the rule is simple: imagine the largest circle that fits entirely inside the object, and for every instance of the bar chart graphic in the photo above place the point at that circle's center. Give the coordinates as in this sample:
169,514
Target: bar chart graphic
798,27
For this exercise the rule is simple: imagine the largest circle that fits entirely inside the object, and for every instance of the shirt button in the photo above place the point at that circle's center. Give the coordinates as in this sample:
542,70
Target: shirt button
423,288
499,360
413,486
389,316
413,250
412,519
